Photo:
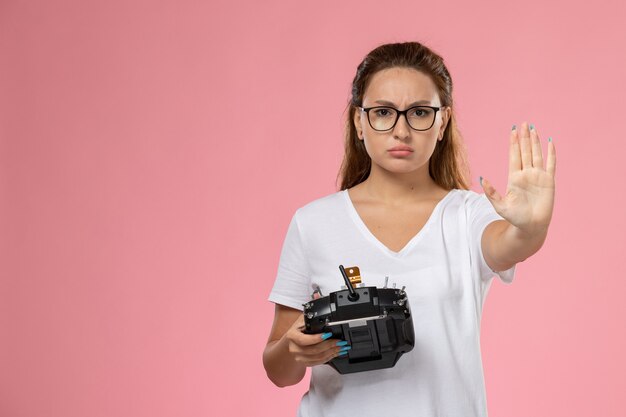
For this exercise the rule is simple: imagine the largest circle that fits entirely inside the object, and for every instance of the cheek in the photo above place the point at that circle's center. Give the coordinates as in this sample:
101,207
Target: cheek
374,145
370,146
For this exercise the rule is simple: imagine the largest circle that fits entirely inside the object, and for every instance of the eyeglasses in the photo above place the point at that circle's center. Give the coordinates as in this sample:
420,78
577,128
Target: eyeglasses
383,118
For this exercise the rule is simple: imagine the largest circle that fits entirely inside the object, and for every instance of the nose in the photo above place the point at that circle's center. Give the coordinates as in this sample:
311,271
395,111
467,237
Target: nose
401,129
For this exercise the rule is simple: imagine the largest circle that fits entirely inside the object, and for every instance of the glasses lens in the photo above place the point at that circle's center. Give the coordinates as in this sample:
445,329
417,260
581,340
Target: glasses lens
382,118
421,118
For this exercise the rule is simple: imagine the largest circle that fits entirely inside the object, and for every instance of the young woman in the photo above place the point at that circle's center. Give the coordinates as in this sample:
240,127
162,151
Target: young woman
405,212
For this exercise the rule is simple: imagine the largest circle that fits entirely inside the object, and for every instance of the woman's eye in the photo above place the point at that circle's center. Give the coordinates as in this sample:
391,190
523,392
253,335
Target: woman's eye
382,112
420,112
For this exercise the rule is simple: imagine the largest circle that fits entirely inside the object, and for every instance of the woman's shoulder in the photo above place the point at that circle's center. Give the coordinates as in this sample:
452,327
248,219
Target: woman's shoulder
323,205
467,195
474,203
468,201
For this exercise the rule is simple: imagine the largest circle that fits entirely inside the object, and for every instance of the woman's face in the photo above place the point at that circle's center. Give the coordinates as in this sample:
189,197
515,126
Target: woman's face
401,88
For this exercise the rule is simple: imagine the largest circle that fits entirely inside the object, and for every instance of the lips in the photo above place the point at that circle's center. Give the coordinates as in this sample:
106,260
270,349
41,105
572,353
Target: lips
401,148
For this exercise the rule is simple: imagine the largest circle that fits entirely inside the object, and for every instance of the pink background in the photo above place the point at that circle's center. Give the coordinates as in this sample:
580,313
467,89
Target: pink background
152,154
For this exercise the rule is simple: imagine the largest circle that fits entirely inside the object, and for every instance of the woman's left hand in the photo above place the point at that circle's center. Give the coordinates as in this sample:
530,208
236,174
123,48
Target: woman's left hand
529,198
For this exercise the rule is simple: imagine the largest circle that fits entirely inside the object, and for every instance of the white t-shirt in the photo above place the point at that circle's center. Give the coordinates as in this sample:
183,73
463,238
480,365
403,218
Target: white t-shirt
446,279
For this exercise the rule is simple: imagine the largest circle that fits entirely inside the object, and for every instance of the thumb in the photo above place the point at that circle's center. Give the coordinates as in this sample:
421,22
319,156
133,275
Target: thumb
492,195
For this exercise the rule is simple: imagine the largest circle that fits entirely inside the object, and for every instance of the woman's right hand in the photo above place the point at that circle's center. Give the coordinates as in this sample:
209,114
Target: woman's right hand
289,351
312,349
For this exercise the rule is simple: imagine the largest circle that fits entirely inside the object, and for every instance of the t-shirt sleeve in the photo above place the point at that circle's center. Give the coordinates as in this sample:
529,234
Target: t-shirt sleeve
292,284
481,213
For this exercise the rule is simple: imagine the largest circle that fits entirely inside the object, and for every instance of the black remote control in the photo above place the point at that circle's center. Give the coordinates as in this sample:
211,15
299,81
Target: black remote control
376,322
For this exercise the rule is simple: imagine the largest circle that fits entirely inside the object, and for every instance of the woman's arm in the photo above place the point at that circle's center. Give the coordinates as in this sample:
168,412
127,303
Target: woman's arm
527,205
504,245
279,363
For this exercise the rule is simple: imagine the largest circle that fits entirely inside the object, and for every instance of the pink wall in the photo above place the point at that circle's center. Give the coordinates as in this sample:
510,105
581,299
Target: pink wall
152,154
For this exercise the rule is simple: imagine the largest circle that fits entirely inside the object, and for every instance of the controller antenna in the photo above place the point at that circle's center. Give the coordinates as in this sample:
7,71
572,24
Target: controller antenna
353,295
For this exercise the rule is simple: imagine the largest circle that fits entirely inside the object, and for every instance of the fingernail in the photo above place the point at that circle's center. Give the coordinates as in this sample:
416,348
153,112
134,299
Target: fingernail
513,128
342,343
326,336
549,139
345,348
343,352
532,126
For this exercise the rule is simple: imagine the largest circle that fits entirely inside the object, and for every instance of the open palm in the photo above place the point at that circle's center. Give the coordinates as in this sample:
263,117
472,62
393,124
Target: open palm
529,198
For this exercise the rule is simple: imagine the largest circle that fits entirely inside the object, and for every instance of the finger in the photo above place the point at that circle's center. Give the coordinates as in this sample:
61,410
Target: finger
320,360
536,149
325,356
314,351
490,190
334,354
304,339
551,163
515,161
525,146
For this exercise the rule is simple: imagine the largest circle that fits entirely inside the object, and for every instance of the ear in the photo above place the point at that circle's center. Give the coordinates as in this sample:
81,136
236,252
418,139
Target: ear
357,122
446,113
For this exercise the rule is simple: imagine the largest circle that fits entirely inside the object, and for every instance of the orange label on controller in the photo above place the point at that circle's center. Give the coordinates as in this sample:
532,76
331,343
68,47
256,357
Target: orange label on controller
354,274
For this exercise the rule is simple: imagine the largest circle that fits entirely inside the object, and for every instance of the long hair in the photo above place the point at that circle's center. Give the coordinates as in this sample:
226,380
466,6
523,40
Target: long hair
448,164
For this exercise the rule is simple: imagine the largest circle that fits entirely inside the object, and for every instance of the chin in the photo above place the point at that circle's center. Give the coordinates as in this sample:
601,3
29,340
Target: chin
400,168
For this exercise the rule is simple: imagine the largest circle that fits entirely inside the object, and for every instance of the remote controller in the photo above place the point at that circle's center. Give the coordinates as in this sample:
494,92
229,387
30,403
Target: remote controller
376,322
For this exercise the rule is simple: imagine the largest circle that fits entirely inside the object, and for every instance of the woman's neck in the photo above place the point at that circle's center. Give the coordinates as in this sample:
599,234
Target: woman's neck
400,189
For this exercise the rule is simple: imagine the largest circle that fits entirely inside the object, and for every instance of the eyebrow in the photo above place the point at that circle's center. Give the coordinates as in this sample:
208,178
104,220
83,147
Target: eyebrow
389,103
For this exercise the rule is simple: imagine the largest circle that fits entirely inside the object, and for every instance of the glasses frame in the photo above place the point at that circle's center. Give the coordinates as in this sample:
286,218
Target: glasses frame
398,114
